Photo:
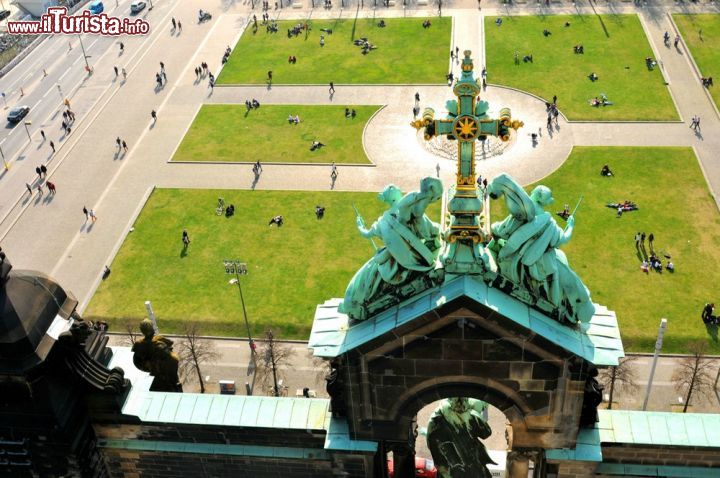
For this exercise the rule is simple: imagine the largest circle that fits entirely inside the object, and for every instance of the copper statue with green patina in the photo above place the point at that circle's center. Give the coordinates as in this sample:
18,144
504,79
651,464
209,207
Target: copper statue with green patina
154,354
467,122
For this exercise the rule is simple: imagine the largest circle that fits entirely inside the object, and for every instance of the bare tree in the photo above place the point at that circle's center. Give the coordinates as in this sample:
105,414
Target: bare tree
622,377
132,333
693,374
195,351
273,358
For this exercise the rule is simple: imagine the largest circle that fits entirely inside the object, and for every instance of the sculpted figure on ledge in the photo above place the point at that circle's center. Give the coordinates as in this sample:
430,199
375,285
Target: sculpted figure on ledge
526,247
154,354
411,244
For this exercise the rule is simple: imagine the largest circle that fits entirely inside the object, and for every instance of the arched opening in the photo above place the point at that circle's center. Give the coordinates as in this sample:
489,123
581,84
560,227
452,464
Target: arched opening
504,414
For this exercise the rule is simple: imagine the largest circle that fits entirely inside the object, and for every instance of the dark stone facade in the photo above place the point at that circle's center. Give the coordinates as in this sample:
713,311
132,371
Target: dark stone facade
465,349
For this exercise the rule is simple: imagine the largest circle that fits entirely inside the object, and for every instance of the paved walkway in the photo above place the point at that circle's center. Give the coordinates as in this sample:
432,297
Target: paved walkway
54,237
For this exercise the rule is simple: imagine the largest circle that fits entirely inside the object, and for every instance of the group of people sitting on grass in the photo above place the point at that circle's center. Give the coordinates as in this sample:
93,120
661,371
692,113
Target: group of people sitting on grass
350,113
293,119
708,315
593,77
230,210
579,49
272,27
277,220
605,171
650,63
528,58
427,24
601,101
365,45
622,207
381,24
298,29
292,59
547,33
252,104
654,263
707,82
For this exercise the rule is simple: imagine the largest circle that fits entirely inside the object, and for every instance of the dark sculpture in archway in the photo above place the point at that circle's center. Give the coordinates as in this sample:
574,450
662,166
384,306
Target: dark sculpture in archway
454,433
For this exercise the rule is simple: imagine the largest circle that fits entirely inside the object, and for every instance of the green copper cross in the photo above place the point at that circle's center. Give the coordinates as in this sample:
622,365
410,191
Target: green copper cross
467,122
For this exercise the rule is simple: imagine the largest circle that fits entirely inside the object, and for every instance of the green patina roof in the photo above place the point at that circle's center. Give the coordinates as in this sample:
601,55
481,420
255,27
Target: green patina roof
597,341
629,427
659,428
229,410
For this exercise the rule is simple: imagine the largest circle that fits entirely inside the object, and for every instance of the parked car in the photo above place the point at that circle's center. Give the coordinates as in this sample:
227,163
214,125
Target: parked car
137,7
424,468
96,7
4,14
18,113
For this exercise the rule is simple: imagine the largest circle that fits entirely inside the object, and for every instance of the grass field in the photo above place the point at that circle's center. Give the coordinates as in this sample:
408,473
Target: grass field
406,53
706,49
292,269
675,205
615,50
230,133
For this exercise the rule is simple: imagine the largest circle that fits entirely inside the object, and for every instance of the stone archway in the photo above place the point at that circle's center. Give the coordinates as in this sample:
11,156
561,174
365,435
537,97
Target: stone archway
463,348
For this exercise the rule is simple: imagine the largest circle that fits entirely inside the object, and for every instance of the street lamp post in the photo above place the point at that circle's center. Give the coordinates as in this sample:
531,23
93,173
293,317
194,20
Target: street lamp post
85,56
658,346
237,268
28,123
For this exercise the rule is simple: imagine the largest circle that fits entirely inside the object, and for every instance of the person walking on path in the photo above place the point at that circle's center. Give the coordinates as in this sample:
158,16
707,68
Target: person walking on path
554,99
39,190
39,172
333,170
153,113
52,145
43,170
119,142
87,214
179,26
185,239
174,23
269,78
417,97
124,74
125,146
257,168
92,215
29,188
122,48
51,187
116,71
42,133
331,90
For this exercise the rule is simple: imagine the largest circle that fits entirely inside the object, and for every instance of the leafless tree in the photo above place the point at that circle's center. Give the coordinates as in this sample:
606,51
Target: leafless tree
693,374
622,377
273,358
132,333
195,351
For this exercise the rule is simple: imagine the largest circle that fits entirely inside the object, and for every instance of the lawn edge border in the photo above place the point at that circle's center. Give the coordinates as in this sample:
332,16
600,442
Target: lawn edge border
82,306
187,128
354,85
662,65
299,341
364,131
362,143
707,179
690,58
495,85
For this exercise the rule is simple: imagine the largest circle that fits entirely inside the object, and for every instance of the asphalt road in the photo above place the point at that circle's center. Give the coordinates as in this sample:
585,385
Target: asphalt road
53,71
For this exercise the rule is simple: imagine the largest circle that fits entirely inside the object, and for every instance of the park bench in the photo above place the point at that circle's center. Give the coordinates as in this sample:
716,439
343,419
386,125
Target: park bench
297,4
422,3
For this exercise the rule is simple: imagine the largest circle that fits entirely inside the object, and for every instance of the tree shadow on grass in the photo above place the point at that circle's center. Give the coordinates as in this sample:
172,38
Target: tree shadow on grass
599,17
352,33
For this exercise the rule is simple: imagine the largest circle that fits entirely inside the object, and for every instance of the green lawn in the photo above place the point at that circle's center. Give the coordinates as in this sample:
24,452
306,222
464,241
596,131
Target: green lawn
615,50
406,53
705,49
232,134
676,206
292,269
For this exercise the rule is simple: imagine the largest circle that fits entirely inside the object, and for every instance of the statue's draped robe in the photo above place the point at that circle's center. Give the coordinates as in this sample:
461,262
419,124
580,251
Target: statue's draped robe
405,251
455,443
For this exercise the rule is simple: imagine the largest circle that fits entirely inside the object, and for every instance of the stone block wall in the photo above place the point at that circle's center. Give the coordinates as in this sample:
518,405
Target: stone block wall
661,455
470,353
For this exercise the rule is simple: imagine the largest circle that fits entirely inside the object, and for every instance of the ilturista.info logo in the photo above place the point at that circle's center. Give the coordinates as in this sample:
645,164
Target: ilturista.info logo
57,20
